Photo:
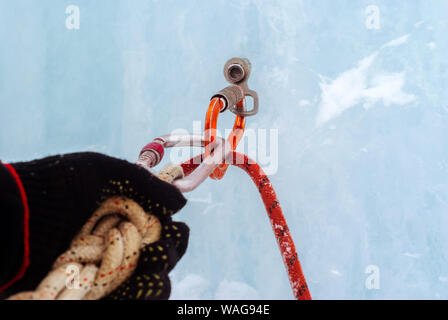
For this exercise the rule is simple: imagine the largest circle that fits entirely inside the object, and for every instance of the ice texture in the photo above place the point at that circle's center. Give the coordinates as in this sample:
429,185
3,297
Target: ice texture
361,113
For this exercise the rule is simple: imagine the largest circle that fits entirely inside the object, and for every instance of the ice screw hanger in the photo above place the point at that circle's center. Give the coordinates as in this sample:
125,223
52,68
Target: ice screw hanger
237,72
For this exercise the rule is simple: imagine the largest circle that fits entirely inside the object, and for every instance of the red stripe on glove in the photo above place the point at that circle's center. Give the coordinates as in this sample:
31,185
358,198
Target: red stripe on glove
26,215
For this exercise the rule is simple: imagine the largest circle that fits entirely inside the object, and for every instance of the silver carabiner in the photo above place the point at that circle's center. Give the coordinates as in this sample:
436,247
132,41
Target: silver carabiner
151,155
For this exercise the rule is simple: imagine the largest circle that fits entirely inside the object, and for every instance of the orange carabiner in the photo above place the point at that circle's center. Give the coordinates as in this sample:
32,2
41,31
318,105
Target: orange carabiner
234,137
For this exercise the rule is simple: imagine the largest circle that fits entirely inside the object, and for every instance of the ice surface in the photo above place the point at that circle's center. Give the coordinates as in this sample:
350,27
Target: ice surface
362,116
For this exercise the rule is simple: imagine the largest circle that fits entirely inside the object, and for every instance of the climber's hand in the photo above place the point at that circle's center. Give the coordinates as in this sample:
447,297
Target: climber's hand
150,279
63,191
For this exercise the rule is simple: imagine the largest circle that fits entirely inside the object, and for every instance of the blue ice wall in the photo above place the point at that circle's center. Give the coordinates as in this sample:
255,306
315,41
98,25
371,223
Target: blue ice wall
360,107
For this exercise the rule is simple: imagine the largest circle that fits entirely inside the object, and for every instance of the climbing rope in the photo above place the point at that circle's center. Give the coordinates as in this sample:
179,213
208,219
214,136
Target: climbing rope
276,218
105,252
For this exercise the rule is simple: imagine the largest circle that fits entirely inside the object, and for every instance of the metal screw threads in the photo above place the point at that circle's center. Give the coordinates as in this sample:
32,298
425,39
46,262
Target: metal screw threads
148,159
151,154
230,96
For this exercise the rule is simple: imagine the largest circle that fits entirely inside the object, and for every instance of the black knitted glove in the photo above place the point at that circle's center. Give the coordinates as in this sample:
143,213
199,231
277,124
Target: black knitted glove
63,192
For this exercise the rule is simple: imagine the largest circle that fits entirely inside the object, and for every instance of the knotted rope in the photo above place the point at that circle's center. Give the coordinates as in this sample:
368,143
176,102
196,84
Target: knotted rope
105,252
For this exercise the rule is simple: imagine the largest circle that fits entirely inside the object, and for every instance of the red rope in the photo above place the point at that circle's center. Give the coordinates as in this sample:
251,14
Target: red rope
275,214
